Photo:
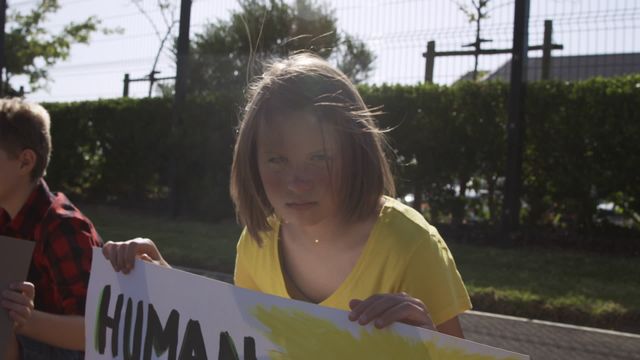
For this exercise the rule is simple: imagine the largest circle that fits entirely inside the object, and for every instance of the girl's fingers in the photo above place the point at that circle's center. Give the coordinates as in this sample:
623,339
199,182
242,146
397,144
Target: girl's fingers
362,305
147,258
389,308
377,308
359,306
406,312
122,255
110,251
353,303
122,258
132,254
159,261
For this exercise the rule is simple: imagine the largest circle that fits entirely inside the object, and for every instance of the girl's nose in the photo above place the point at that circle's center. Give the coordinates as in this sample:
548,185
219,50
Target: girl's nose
299,184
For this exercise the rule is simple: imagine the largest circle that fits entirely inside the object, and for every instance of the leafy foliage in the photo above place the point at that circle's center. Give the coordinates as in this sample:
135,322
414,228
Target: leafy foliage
228,53
30,48
581,149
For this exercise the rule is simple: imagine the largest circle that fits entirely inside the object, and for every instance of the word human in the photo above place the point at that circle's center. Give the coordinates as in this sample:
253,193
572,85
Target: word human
128,341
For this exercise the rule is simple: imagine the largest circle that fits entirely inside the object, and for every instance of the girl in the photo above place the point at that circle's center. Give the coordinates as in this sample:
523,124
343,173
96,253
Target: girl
313,188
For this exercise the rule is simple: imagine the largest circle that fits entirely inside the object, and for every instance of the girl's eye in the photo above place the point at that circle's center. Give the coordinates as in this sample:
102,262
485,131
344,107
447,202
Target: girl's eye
276,160
320,157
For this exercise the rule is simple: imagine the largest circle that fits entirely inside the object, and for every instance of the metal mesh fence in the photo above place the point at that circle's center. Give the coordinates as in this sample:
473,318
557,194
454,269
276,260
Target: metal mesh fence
599,38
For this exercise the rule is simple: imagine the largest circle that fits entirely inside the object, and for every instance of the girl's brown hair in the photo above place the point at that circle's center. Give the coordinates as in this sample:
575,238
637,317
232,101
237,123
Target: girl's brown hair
305,82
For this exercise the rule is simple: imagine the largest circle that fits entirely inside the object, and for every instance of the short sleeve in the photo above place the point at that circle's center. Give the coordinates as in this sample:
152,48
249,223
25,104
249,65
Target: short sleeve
242,275
431,276
69,251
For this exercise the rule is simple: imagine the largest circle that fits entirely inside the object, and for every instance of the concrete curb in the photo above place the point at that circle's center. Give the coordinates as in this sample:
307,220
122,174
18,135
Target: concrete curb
556,324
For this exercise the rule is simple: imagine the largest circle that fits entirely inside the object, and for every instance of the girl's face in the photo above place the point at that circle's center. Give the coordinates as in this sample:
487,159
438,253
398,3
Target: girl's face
295,157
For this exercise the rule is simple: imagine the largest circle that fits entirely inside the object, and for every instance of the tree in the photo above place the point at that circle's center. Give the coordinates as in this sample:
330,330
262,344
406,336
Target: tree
168,10
30,48
355,59
475,14
228,53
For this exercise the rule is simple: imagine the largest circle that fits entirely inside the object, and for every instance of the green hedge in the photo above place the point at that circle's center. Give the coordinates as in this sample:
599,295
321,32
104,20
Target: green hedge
446,136
582,148
118,151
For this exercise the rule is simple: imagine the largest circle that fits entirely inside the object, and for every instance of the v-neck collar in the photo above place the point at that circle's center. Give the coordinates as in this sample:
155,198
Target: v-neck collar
351,277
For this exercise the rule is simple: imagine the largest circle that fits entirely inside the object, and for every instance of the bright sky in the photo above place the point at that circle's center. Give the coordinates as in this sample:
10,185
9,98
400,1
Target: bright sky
396,30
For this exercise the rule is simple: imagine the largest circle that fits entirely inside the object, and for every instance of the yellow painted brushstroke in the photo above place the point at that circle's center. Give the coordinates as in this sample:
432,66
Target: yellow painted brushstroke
303,336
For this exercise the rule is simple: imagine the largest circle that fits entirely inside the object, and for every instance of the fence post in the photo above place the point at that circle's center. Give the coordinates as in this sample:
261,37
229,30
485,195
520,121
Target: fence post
546,49
179,98
430,55
152,80
125,89
515,123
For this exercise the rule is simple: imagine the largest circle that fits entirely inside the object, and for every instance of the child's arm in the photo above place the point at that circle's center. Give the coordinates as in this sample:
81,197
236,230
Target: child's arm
68,334
123,254
13,351
69,329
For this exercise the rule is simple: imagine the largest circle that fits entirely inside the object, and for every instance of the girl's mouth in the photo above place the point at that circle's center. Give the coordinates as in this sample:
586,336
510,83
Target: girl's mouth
302,205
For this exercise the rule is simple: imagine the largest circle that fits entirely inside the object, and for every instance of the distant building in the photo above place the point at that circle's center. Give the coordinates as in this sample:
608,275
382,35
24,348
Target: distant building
469,76
574,68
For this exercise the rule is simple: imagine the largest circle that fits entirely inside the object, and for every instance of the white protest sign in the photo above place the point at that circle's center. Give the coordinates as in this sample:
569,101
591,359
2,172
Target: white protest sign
159,313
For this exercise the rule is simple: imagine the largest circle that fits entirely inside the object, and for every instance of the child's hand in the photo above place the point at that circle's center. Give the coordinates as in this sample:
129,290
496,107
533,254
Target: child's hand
386,309
123,254
18,300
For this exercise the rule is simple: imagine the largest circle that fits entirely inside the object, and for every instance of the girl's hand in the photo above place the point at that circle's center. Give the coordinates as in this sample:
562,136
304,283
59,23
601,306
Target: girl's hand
18,300
385,309
123,254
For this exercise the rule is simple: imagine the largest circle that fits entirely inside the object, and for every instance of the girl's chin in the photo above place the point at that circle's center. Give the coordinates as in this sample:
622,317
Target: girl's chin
301,220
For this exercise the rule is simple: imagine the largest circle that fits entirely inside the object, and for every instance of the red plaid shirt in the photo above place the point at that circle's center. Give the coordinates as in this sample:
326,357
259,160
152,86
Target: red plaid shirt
62,255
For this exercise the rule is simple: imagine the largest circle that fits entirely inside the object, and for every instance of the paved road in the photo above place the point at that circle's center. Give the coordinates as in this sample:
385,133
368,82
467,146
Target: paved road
549,341
538,339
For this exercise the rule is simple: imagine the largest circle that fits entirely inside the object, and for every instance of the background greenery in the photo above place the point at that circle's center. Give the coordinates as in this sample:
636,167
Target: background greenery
581,150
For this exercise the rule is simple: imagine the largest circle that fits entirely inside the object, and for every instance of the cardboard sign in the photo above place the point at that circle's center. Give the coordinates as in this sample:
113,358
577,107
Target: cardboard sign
159,313
15,257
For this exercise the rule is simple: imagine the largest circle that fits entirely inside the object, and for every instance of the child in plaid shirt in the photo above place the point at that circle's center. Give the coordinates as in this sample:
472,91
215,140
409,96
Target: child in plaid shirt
48,310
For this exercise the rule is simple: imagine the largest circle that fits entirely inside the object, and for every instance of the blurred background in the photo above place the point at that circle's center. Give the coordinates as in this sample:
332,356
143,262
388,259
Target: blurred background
142,162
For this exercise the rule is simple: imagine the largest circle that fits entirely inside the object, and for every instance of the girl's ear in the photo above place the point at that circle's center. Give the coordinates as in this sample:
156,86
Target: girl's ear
27,158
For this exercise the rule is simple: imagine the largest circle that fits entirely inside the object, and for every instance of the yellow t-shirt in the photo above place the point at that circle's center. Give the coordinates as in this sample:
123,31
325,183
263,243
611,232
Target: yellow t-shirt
403,253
